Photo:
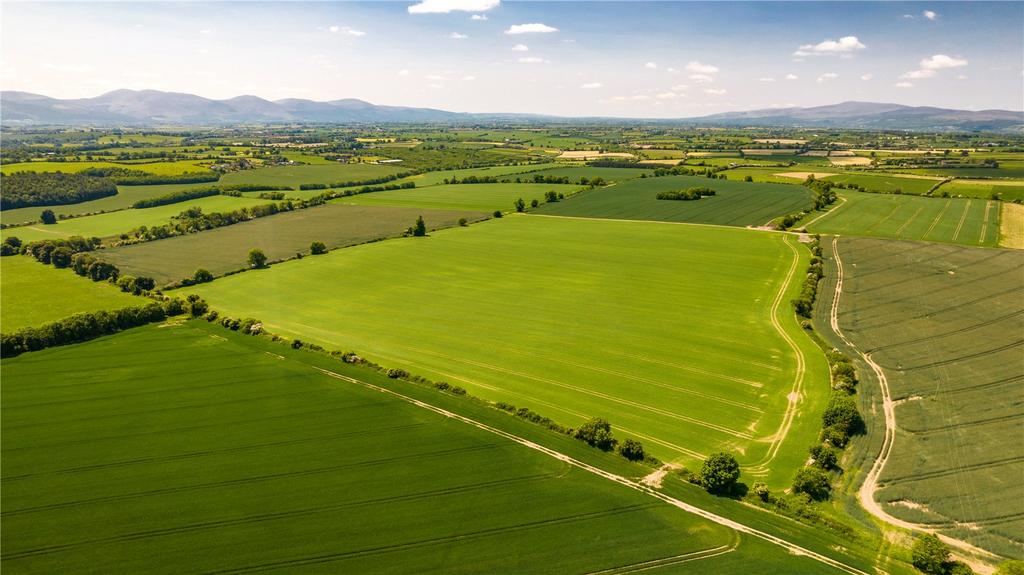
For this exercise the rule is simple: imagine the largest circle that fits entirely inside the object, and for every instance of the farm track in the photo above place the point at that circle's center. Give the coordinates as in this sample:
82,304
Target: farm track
635,485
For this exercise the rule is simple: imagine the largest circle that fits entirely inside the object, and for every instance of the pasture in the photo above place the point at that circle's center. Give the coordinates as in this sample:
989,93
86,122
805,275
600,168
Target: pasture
126,196
172,168
735,203
681,336
115,223
35,293
242,455
475,197
280,236
1005,190
944,323
972,222
294,176
887,183
438,176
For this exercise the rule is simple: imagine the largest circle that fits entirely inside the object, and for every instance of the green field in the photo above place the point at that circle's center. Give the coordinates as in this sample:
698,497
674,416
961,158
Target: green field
886,183
635,322
280,236
114,223
34,294
191,448
310,174
736,203
973,222
126,196
156,168
476,197
984,189
438,177
608,174
944,323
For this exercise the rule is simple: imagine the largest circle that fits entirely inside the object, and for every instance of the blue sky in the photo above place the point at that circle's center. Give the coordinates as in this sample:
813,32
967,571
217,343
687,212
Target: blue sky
664,59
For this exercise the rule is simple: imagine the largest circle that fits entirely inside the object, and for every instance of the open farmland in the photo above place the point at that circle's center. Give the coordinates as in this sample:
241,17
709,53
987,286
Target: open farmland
114,223
887,183
243,455
477,197
568,317
438,177
35,293
125,197
280,236
295,176
1007,190
972,222
944,324
152,167
735,203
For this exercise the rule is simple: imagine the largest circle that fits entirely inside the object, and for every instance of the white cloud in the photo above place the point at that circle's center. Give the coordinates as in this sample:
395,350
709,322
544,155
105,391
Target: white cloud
433,77
667,96
698,68
845,45
918,74
206,32
929,15
908,16
792,77
941,61
702,78
345,30
636,98
867,77
533,28
766,79
446,6
904,85
961,77
592,85
469,78
457,36
403,72
478,17
826,77
671,70
520,48
651,66
679,88
435,86
532,60
715,91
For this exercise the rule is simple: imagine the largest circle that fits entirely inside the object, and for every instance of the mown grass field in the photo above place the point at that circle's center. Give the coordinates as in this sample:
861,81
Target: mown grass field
945,325
114,223
294,176
156,168
191,448
985,189
34,294
280,236
476,197
126,196
972,222
735,203
665,330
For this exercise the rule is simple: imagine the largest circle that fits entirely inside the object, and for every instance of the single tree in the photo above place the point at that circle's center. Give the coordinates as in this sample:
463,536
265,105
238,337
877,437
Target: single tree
930,555
317,248
632,450
420,229
720,473
498,214
598,433
520,205
202,276
534,203
812,481
48,217
257,258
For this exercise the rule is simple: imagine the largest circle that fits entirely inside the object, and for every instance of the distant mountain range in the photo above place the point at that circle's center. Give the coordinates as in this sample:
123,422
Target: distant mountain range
149,107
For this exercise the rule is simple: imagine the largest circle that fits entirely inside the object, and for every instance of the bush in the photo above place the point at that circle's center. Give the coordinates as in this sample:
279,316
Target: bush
597,433
257,259
202,276
463,222
296,343
930,555
498,214
841,416
520,205
632,450
824,457
813,482
762,492
534,203
317,248
398,373
720,473
420,228
48,217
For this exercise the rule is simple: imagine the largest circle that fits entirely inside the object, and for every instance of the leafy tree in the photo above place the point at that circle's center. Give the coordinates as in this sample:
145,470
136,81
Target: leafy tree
144,283
61,257
824,456
498,214
598,433
257,258
632,450
842,416
317,248
520,205
202,276
48,217
534,203
420,228
551,196
812,481
719,473
930,555
463,222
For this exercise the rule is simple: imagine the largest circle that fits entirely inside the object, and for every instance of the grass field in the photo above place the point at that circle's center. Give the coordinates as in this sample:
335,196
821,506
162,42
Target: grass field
944,323
1011,226
886,183
438,177
126,196
280,236
476,197
310,174
149,166
973,222
666,330
191,448
34,294
608,174
114,223
985,189
736,203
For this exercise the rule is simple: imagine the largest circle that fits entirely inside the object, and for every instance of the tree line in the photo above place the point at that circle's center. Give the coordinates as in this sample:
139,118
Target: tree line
26,189
689,194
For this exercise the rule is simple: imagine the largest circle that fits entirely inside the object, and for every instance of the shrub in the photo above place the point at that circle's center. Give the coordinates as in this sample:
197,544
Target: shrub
419,229
202,276
842,416
317,248
520,205
813,482
762,492
597,433
632,450
48,217
824,457
498,214
550,196
257,259
296,343
930,555
398,373
534,203
720,473
463,222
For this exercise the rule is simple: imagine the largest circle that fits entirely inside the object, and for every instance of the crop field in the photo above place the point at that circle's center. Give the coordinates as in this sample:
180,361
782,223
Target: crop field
1011,226
770,174
149,166
476,197
886,183
735,203
1007,191
242,455
437,177
126,196
607,174
944,323
972,222
310,174
280,236
569,317
34,294
114,223
160,139
1005,170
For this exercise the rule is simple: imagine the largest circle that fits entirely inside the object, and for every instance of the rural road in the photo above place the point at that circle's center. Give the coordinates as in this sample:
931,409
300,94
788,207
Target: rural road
635,485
